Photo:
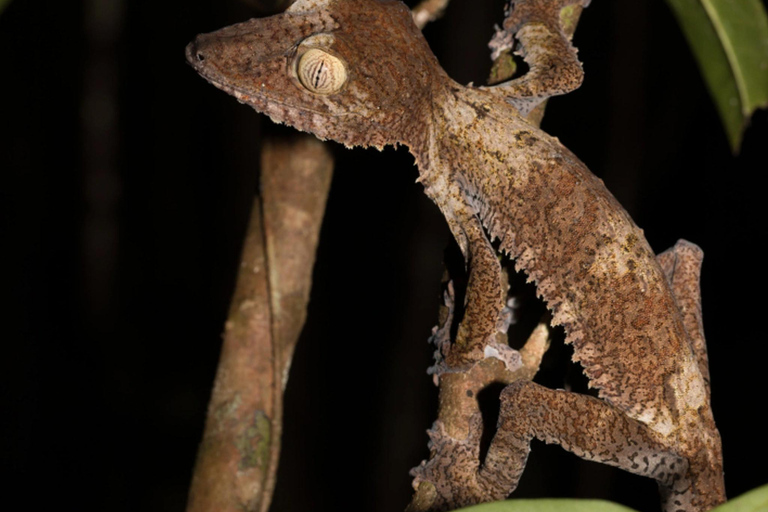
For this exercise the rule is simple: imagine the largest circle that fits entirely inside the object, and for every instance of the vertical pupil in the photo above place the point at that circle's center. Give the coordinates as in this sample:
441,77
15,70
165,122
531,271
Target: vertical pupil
319,73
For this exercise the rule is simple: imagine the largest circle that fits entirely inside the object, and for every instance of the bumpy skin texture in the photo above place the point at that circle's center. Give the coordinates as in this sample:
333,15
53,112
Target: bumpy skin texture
635,328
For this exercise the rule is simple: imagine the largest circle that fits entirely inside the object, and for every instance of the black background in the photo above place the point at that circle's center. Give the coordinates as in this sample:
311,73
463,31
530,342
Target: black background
126,186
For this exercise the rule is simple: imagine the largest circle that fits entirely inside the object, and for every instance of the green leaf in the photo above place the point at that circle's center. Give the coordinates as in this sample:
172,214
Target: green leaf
755,500
752,501
549,505
729,39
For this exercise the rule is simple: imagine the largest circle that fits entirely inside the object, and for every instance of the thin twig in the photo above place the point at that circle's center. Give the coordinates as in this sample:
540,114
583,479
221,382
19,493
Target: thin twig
428,11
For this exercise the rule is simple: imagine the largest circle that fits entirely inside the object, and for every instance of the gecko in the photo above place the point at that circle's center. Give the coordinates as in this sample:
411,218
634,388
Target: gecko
359,72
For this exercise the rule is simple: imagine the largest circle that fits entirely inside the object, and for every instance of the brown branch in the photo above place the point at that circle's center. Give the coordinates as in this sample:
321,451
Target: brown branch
238,456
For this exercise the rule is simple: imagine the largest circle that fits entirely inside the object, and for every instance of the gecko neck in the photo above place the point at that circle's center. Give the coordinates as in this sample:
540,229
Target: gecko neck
468,130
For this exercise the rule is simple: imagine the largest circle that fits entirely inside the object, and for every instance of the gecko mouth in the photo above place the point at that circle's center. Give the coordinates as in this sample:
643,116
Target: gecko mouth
197,59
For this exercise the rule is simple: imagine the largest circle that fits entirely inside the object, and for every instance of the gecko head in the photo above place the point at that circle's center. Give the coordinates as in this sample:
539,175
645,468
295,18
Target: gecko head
355,71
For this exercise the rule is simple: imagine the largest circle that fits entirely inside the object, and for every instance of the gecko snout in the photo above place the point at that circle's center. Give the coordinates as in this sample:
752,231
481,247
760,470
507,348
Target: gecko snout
195,56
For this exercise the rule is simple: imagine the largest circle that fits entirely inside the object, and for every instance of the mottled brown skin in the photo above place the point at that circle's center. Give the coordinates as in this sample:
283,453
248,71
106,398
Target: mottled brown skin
635,328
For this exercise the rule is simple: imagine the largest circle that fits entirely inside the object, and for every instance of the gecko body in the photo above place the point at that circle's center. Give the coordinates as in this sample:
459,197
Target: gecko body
360,72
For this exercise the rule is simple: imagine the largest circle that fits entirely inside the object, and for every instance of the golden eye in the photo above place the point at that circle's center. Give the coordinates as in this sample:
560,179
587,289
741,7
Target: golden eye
321,72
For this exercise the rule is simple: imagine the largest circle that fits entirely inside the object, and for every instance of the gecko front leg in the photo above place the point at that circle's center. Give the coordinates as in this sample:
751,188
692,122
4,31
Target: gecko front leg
485,296
554,66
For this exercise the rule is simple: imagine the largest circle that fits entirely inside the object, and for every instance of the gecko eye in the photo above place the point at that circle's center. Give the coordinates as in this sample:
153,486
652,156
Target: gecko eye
321,72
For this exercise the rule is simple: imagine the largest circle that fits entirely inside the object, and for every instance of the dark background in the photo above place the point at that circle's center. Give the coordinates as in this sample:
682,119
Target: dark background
126,186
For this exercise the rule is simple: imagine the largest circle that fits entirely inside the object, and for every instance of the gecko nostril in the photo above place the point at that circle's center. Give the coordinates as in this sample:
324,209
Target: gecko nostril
200,57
